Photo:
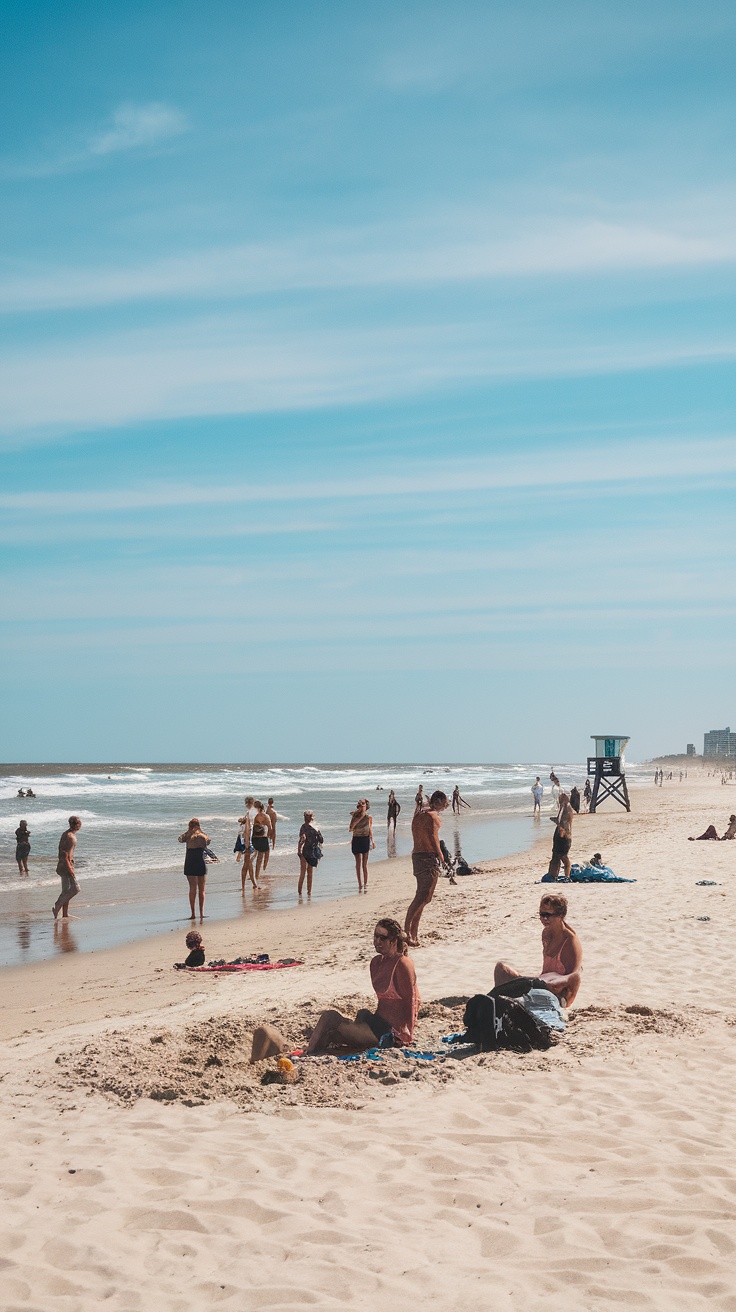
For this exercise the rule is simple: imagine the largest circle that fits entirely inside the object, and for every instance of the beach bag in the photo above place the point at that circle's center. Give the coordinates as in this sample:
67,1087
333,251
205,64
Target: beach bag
501,1022
312,850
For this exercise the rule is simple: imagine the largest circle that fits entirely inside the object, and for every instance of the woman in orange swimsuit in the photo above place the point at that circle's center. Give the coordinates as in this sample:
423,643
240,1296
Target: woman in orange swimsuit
562,955
392,1024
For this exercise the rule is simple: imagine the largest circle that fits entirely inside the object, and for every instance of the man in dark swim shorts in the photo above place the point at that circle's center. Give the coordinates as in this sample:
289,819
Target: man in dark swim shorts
425,859
562,841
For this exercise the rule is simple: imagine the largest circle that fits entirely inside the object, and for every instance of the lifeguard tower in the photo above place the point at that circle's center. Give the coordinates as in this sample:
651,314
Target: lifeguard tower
609,771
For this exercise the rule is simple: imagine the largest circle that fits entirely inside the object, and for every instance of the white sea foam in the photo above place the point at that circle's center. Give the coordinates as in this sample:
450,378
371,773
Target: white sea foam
131,819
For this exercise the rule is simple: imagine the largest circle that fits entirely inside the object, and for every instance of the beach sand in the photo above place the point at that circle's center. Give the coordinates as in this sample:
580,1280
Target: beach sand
599,1174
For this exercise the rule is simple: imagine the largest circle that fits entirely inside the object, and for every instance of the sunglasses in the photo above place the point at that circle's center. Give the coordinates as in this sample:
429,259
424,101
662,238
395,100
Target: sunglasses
382,936
548,915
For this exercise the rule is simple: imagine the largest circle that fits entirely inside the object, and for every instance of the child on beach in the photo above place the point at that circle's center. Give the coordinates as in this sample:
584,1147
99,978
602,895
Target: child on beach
194,942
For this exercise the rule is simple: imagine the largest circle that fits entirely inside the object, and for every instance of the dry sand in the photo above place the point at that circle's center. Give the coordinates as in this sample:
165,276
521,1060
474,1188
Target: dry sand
148,1167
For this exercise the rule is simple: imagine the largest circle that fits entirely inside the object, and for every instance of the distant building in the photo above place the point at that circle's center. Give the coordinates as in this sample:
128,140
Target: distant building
719,742
691,749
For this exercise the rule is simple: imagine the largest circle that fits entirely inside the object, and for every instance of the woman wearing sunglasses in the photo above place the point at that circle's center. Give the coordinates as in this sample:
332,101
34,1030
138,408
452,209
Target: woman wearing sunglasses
562,955
395,983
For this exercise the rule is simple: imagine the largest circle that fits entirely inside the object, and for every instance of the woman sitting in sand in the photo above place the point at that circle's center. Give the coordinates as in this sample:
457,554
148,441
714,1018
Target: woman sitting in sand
562,955
194,863
392,1024
712,833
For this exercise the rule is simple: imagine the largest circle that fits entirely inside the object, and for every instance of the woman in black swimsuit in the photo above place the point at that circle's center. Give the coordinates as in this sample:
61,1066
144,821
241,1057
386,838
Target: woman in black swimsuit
393,810
22,847
194,865
261,839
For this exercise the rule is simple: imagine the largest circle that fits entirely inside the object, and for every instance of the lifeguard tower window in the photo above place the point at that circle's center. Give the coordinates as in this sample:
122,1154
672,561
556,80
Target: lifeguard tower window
608,769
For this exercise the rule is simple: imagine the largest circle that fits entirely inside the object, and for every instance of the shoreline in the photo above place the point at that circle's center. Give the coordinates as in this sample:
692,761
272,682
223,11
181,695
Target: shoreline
140,1140
295,931
114,910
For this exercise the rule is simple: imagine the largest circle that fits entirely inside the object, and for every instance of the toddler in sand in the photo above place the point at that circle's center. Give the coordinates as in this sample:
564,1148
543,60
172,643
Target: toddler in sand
194,942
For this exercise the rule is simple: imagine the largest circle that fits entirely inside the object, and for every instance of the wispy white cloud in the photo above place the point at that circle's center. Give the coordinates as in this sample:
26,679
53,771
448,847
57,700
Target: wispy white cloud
406,254
138,125
246,364
628,462
130,127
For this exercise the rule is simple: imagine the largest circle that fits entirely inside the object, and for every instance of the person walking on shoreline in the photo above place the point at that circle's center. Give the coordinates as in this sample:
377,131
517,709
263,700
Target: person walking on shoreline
273,816
261,840
426,859
309,851
22,847
419,800
361,827
65,868
194,864
393,810
537,794
458,801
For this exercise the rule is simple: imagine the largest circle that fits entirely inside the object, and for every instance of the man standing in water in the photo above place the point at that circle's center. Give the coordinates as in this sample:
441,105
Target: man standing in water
562,840
65,867
425,858
273,816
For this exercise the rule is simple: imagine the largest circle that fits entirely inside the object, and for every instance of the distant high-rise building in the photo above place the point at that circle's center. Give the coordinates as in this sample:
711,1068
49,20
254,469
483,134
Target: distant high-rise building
719,742
691,749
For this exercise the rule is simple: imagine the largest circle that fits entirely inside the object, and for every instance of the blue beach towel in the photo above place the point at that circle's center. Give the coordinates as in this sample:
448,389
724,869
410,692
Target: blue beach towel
596,875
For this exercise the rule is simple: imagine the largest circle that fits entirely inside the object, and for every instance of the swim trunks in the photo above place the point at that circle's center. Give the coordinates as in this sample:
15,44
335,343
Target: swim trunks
560,845
426,870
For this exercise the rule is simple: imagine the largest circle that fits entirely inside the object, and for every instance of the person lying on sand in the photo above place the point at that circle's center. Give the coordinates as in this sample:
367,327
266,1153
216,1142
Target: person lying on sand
712,834
394,979
562,955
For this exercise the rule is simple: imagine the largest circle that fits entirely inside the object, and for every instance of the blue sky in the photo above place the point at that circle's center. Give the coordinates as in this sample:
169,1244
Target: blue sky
367,379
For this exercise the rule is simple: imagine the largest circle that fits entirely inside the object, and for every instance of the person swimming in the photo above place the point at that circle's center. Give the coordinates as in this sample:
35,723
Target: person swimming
562,954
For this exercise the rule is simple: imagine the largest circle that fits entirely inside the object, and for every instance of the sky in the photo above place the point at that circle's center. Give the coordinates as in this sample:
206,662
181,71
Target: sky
366,379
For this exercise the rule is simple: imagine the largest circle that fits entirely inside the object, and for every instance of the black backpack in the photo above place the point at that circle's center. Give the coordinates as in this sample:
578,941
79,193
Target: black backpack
503,1022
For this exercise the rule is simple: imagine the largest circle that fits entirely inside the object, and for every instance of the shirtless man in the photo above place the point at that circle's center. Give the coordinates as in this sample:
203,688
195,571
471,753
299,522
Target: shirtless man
426,859
562,840
273,816
65,868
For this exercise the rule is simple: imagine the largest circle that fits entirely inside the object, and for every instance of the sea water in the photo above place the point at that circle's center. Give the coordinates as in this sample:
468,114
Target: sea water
130,865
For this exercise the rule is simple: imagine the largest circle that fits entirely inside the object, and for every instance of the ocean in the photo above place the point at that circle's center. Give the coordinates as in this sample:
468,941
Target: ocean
130,865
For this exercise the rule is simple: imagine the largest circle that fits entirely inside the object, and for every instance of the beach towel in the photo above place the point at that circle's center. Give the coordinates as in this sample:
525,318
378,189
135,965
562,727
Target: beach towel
244,964
596,875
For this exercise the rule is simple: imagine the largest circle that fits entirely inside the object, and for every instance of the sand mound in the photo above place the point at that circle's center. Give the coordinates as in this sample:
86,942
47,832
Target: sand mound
209,1061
